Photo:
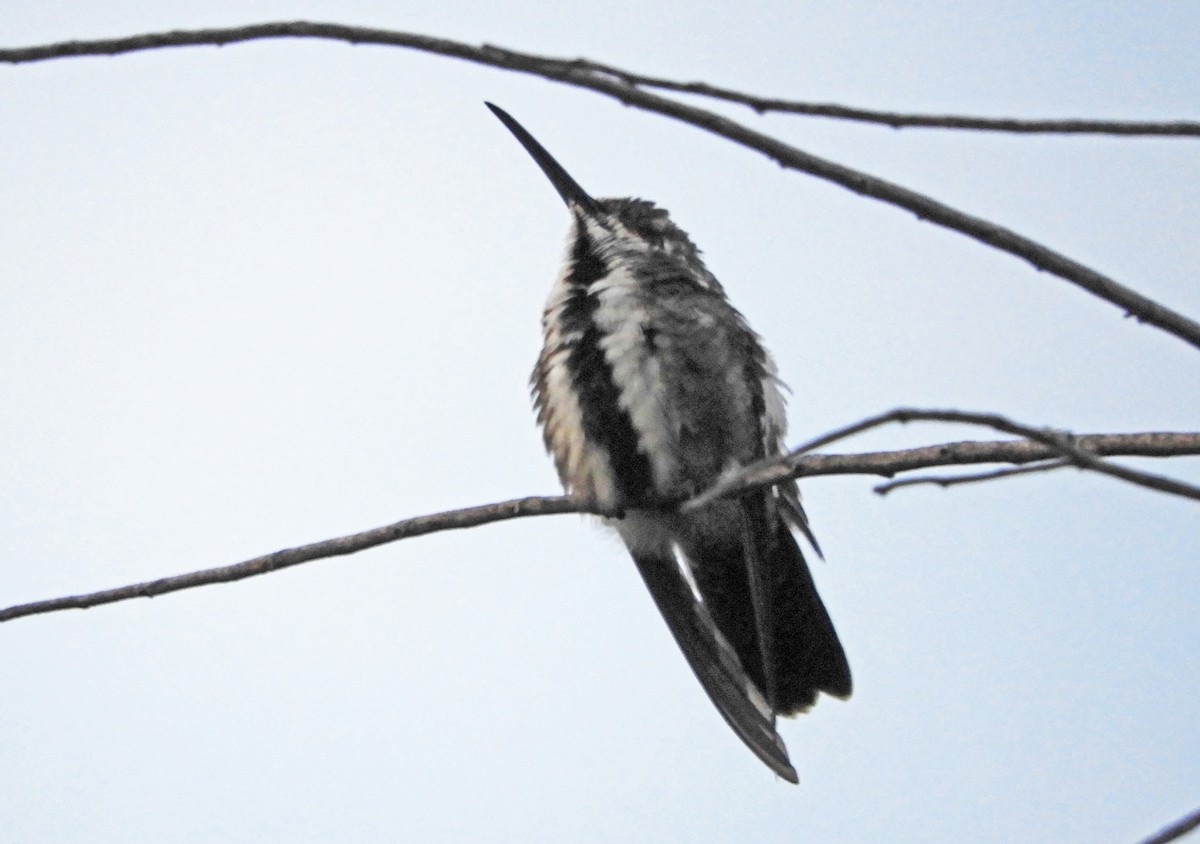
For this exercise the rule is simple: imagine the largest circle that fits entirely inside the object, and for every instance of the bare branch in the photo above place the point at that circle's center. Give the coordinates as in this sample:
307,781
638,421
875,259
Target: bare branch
762,105
451,520
945,481
1016,452
900,120
1054,444
886,464
610,82
1176,830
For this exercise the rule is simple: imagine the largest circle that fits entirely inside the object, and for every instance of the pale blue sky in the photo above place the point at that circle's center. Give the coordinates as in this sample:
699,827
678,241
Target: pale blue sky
272,293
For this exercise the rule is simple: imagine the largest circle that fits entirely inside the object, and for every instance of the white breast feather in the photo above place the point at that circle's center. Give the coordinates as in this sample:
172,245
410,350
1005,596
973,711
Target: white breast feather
583,469
622,317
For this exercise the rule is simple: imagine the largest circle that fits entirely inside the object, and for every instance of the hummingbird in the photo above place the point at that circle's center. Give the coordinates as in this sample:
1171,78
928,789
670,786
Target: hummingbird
651,386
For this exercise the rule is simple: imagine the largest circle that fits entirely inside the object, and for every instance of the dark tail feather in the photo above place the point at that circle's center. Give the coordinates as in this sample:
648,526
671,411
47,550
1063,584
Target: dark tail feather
806,655
763,599
715,662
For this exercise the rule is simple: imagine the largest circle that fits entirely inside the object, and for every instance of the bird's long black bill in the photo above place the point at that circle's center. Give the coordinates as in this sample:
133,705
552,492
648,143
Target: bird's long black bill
567,187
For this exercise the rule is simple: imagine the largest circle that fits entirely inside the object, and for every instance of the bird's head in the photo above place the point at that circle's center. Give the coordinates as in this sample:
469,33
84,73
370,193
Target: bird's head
633,232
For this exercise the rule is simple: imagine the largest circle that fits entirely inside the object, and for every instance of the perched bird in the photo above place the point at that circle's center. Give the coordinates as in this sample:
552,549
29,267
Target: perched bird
650,386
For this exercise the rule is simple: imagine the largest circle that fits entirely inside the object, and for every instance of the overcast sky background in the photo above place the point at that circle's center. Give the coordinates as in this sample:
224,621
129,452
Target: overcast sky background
268,294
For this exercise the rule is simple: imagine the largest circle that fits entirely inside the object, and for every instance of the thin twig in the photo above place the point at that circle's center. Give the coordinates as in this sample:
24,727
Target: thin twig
1016,452
451,520
762,105
901,120
1176,830
608,82
945,481
1061,443
885,464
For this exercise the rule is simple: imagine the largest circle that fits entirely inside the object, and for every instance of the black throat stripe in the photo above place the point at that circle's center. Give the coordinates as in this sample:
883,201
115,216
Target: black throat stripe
605,422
